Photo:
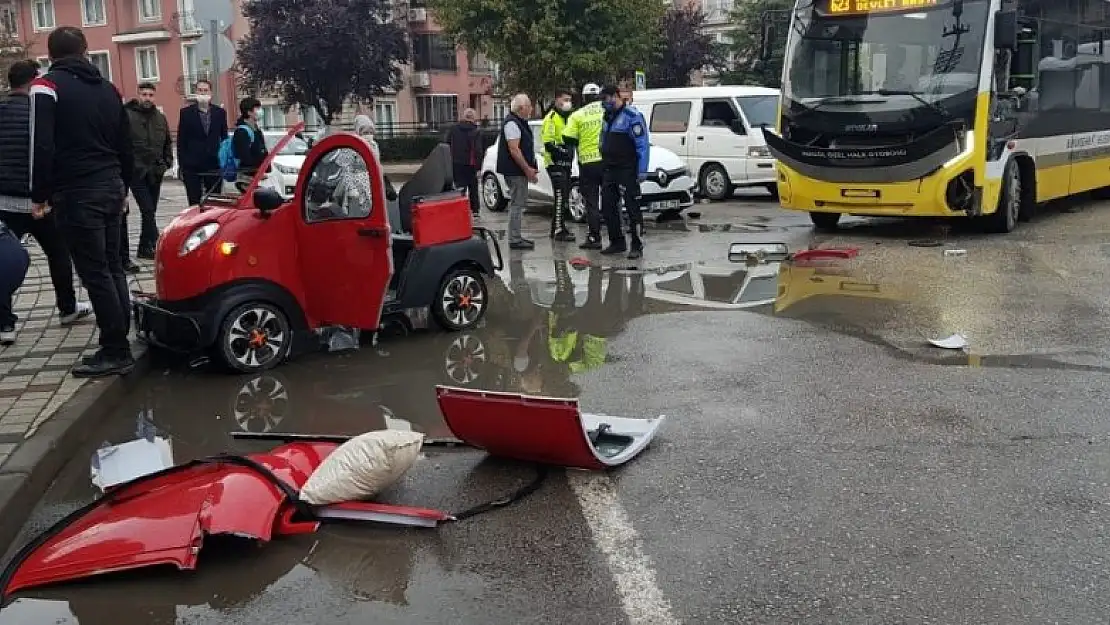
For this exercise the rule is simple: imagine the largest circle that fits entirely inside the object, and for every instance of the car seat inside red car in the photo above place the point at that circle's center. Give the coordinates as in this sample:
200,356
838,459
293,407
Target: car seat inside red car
434,176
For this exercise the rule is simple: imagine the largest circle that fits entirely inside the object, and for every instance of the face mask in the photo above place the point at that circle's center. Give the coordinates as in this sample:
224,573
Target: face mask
564,106
203,99
257,113
607,105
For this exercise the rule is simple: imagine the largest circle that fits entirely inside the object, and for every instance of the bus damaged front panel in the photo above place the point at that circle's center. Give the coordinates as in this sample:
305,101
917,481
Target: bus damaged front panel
884,112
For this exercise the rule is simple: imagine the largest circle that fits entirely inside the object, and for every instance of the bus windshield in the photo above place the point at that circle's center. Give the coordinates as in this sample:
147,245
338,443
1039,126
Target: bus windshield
921,56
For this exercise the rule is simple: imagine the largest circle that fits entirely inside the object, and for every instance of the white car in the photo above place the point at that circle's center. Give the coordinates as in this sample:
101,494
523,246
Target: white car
287,164
669,187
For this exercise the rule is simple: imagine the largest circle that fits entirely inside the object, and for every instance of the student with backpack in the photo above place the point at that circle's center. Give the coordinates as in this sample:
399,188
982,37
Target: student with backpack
243,153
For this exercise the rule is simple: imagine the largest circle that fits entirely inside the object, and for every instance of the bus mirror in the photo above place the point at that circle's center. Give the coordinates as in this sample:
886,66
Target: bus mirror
767,45
1005,30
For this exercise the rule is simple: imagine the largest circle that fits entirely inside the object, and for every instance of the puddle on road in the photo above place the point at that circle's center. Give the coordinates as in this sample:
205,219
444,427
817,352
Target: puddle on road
549,323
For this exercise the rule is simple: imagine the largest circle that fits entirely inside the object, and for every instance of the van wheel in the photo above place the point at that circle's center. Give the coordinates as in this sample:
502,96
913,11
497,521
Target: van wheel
773,189
492,197
825,221
577,206
460,300
254,337
1005,219
714,182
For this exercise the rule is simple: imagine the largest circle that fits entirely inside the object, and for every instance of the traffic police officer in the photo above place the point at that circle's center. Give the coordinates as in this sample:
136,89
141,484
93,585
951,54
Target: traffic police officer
583,132
557,158
624,152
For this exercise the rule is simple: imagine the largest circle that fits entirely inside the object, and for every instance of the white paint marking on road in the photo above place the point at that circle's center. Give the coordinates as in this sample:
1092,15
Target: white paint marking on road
614,535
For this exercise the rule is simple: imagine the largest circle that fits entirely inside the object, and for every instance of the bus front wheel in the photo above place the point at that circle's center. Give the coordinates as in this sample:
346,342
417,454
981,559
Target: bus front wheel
1005,219
825,221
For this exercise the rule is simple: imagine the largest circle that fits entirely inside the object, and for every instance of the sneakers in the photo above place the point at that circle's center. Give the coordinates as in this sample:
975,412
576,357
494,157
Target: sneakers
145,253
563,235
523,244
83,310
591,243
99,365
7,335
637,250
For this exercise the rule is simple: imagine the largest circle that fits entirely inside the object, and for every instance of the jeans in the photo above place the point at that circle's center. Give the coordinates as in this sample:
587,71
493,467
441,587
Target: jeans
14,262
590,178
466,177
197,184
49,237
146,194
518,199
90,221
560,183
621,182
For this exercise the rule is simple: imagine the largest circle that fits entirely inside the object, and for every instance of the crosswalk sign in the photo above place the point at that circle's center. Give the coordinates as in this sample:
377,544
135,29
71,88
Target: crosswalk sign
641,81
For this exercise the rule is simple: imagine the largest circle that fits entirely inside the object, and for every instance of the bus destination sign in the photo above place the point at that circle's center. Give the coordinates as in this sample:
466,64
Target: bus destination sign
862,7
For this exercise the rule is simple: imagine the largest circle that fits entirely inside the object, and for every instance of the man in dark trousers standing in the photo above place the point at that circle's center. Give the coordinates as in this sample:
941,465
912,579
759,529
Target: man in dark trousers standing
625,149
153,147
200,129
466,155
15,197
81,165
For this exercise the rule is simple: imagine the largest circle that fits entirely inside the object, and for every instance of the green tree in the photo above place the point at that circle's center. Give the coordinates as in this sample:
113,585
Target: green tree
543,46
749,18
683,48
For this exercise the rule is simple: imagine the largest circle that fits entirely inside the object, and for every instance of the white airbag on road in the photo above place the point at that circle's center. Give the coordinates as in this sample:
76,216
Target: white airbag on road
363,467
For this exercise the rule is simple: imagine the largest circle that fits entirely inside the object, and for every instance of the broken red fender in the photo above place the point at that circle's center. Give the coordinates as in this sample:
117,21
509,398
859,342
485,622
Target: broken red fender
543,429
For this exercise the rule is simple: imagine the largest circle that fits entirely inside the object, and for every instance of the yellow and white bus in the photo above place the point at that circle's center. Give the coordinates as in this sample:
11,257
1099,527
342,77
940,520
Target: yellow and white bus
942,108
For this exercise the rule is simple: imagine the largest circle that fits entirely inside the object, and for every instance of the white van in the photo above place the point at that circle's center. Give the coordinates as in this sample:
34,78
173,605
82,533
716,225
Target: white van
717,131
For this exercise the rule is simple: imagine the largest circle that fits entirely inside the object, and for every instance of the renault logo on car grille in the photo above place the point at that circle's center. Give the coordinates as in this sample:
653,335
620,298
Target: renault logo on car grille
661,176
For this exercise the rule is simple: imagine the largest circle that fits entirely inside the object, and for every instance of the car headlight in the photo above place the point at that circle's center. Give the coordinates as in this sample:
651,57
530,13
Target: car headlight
197,237
759,151
286,169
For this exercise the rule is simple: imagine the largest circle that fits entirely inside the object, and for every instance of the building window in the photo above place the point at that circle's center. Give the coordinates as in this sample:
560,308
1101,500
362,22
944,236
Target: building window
150,10
9,20
103,62
273,117
44,63
146,63
500,109
92,13
436,111
434,52
478,63
42,14
311,118
189,65
385,118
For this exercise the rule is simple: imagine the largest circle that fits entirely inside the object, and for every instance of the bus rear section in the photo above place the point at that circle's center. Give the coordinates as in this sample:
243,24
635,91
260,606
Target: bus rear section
891,109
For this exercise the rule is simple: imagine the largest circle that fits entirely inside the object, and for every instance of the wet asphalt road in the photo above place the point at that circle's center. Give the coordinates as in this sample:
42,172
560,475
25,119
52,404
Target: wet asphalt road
820,463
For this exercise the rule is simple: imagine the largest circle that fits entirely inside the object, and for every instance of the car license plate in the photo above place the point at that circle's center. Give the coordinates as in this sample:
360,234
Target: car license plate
664,205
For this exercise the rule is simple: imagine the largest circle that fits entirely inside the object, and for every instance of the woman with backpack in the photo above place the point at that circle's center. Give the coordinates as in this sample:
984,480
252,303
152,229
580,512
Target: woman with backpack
248,143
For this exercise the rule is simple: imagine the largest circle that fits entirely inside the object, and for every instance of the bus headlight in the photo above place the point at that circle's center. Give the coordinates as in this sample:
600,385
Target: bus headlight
966,149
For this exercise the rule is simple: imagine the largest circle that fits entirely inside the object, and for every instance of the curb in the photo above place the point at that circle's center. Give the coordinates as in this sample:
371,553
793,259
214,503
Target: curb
36,462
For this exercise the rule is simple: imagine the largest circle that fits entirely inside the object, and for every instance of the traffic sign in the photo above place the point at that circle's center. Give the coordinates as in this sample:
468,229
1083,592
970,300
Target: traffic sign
641,81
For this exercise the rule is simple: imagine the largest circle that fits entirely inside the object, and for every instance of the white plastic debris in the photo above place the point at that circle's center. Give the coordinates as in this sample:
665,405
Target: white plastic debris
956,341
113,465
955,253
363,467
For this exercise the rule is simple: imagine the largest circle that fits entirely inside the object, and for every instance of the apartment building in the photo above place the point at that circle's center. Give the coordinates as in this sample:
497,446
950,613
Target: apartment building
718,26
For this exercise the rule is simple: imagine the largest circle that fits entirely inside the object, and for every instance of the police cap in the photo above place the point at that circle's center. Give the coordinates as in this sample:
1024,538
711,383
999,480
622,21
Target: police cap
591,89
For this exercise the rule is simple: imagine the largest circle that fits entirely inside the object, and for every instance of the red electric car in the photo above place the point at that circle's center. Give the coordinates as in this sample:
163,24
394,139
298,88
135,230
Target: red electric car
249,279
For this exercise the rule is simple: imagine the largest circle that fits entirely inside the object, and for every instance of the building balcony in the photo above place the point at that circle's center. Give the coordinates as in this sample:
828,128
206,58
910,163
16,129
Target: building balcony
188,26
153,33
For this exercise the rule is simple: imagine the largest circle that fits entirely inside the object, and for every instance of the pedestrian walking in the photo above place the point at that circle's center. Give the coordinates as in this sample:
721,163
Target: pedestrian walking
248,142
466,155
14,262
15,195
558,159
81,166
201,127
624,152
153,149
583,133
516,161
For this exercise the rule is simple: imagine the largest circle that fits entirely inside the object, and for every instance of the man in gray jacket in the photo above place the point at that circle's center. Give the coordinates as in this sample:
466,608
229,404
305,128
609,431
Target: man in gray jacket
15,196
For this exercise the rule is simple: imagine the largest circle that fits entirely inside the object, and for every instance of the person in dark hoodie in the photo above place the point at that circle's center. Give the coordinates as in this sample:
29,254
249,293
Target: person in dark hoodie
248,142
15,198
466,155
81,165
153,147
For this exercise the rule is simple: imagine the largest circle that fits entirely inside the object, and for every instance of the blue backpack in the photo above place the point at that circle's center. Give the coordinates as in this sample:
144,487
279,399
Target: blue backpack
229,165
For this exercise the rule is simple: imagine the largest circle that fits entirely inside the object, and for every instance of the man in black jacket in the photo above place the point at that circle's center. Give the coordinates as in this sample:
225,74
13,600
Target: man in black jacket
15,196
201,127
81,166
153,147
466,155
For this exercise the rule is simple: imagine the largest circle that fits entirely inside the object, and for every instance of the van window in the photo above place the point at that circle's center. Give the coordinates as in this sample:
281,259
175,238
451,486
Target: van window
718,114
670,117
537,132
760,109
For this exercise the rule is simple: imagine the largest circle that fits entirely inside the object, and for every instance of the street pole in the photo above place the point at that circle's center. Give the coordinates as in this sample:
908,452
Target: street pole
214,32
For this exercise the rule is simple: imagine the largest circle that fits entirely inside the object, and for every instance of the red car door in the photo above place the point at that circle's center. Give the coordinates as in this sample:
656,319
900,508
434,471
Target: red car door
344,243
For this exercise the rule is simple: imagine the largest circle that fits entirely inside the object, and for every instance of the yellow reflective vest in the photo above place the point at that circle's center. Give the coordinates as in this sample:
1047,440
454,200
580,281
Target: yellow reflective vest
552,132
584,125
